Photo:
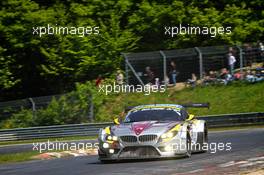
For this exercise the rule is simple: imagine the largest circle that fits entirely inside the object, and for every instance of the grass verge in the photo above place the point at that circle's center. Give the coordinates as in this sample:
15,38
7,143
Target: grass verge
17,157
235,98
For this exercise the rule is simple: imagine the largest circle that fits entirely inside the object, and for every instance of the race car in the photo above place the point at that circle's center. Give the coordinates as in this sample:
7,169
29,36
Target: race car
153,131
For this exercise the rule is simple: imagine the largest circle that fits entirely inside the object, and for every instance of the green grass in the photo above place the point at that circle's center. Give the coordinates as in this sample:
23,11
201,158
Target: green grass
17,157
235,98
50,139
26,156
21,157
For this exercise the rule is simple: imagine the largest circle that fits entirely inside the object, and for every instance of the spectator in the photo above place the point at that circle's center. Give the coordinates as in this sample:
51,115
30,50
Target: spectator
223,73
98,80
212,75
237,76
150,75
209,78
230,49
260,71
231,62
119,77
228,78
261,48
157,83
167,80
192,81
223,76
173,73
250,77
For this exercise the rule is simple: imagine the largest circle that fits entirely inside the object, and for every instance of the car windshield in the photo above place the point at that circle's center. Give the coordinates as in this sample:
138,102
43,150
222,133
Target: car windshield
155,115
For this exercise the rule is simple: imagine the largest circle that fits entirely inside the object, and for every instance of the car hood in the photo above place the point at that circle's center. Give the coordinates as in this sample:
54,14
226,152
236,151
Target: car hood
143,128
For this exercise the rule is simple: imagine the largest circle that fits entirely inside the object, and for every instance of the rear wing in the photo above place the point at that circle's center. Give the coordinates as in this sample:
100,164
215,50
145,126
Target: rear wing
187,105
196,105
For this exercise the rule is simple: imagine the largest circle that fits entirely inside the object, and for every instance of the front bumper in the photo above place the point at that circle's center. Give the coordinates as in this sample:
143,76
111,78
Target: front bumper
151,150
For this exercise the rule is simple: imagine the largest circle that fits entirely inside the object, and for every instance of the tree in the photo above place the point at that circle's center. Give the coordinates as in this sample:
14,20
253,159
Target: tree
32,65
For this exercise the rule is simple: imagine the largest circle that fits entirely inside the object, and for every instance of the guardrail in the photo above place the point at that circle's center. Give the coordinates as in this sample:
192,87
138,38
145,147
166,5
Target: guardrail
91,129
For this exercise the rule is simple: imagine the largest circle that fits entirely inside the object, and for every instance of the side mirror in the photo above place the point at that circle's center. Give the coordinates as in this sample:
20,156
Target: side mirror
191,116
117,121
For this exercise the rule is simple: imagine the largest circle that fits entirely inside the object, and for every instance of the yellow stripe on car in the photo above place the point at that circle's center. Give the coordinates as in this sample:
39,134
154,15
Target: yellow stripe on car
173,130
176,128
107,130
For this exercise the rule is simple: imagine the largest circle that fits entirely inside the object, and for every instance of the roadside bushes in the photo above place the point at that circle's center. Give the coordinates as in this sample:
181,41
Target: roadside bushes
70,108
22,119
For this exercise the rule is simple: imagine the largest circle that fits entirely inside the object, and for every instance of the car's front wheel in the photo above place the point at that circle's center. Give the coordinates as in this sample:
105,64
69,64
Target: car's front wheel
188,145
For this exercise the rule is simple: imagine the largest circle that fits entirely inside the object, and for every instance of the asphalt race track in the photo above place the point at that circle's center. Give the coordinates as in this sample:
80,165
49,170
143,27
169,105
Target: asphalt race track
247,152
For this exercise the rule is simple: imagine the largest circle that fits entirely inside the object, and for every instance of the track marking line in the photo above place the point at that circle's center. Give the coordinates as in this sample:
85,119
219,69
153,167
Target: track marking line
260,162
195,171
54,154
228,164
256,158
251,164
246,165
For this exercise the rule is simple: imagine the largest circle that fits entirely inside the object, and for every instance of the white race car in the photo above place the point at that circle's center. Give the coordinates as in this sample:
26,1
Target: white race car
153,131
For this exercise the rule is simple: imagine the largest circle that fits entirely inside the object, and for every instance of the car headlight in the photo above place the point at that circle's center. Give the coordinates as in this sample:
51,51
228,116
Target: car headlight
169,135
111,138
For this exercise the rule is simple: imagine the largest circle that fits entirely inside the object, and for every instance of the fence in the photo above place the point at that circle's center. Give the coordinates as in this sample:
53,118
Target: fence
198,60
9,107
92,129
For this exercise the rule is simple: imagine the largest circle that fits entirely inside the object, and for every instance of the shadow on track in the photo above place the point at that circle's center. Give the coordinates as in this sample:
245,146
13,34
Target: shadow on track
136,160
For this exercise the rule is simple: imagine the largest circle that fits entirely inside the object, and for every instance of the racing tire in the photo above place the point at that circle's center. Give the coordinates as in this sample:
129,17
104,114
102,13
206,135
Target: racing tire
205,138
188,145
106,161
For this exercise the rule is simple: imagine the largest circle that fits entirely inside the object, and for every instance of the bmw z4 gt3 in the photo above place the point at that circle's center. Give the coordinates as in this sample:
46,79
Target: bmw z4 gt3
153,131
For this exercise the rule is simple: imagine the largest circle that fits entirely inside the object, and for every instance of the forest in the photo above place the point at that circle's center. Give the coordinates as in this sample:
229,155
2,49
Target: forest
31,65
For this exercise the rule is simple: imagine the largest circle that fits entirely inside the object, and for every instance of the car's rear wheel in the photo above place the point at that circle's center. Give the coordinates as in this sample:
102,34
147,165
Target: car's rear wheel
188,145
205,134
205,138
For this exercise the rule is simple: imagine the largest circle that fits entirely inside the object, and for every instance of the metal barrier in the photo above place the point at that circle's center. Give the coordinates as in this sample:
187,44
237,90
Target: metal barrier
238,119
91,129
